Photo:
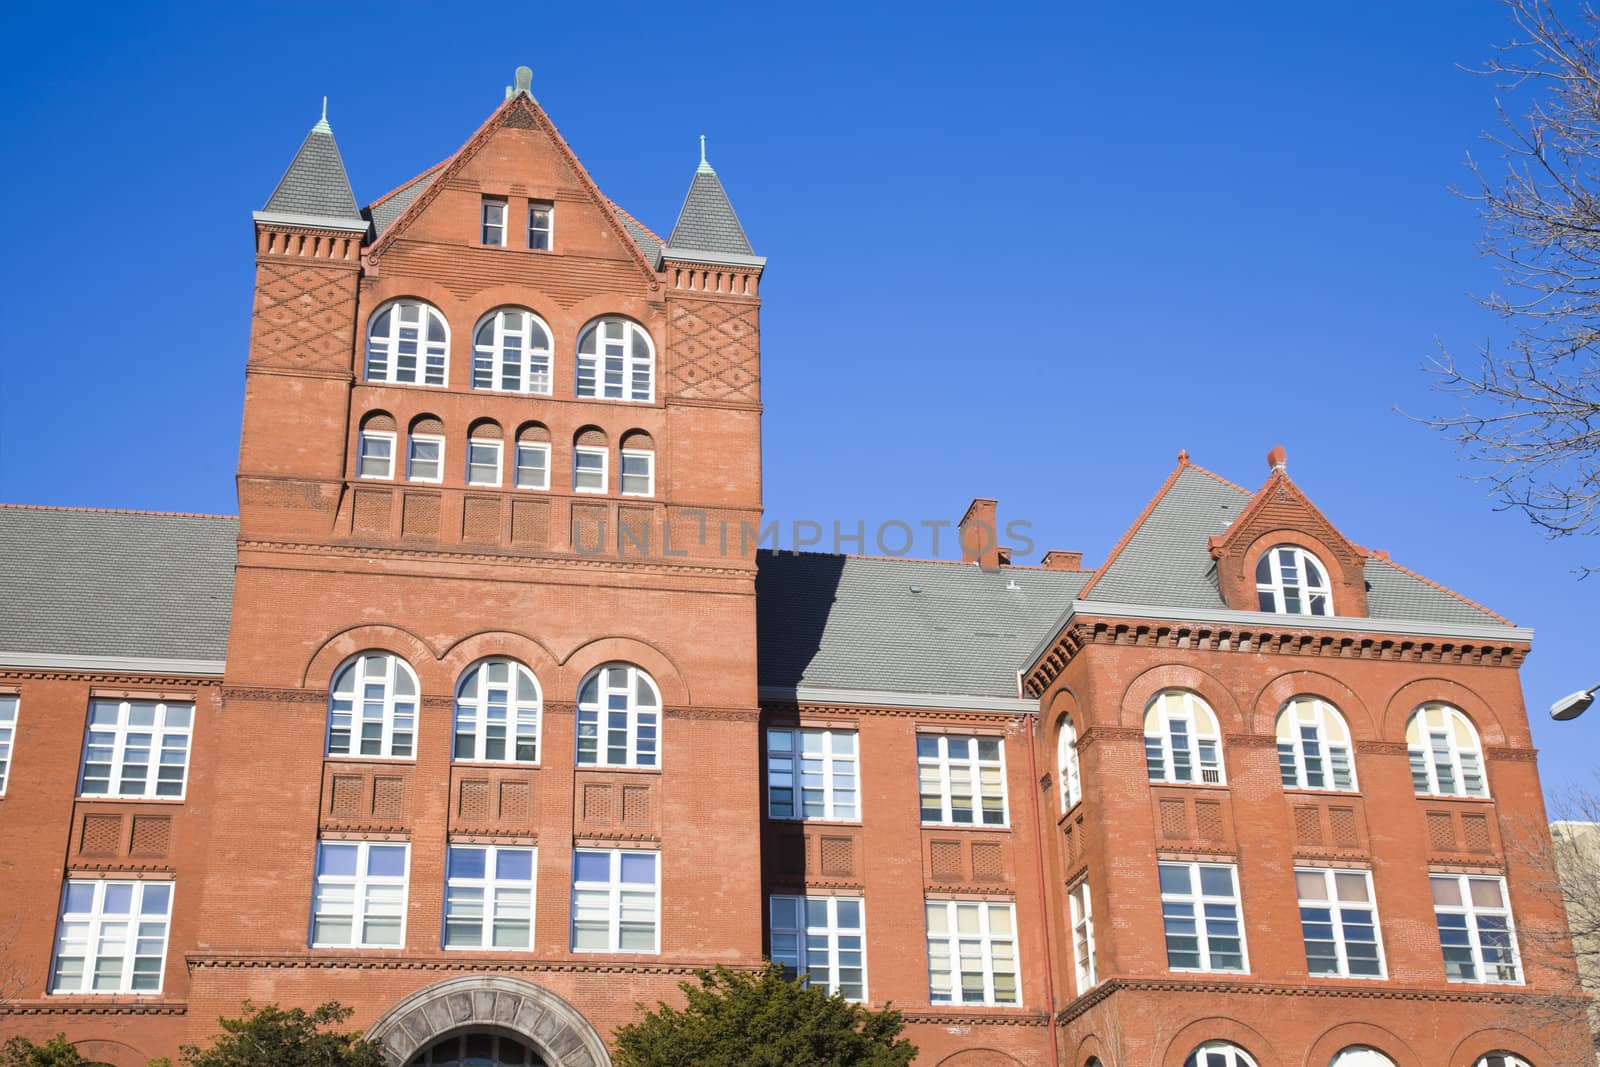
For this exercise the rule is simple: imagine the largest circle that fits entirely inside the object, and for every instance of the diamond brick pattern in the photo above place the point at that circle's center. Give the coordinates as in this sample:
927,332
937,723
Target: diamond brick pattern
1208,820
101,835
389,798
715,352
473,805
1308,826
944,860
516,801
635,805
838,856
1174,824
599,805
304,317
988,862
1342,825
1475,833
346,800
152,836
1441,831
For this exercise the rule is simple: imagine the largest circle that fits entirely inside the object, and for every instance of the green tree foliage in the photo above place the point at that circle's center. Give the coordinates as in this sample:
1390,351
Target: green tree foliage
762,1020
274,1037
57,1052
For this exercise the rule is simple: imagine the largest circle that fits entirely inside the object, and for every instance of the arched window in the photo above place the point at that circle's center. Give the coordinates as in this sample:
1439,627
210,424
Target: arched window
616,361
637,470
1446,759
1291,581
1067,764
1502,1059
619,718
1360,1056
497,713
511,352
1181,739
408,343
372,708
477,1050
1219,1054
1314,750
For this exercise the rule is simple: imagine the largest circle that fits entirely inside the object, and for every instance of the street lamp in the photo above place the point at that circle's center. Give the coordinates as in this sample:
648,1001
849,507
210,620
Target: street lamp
1573,704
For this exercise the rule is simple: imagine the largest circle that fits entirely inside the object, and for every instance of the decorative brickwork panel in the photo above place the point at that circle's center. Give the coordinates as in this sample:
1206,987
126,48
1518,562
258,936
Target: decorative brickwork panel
419,516
636,805
304,317
638,532
590,528
474,804
1071,846
516,801
598,804
1342,827
1307,826
1208,820
152,836
1475,833
371,511
389,798
530,523
1174,823
715,352
988,862
944,860
1441,832
838,856
465,270
480,519
345,802
792,855
101,835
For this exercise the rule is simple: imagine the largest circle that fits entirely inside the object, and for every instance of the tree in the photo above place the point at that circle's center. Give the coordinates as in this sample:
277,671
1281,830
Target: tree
275,1037
1529,416
57,1052
762,1020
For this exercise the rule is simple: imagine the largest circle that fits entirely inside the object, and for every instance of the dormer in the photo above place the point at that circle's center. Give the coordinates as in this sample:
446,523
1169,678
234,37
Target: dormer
1282,555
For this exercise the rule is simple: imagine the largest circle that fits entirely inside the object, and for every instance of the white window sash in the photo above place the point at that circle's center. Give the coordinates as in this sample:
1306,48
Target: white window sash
804,961
370,437
614,887
393,666
431,359
530,447
1471,913
1068,767
159,733
494,218
411,457
945,762
94,923
1197,898
493,889
1083,920
473,710
831,775
649,472
475,447
10,712
605,470
359,885
598,713
986,940
1336,909
536,208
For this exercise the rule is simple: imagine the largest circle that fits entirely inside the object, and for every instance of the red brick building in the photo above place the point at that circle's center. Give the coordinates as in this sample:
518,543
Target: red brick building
487,718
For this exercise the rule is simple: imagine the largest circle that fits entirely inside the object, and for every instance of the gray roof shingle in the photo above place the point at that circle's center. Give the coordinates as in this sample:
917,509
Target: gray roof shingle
647,241
316,183
707,222
115,583
384,212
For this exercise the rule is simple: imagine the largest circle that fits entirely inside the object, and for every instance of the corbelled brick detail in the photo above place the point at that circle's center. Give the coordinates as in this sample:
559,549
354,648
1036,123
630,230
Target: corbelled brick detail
716,352
304,317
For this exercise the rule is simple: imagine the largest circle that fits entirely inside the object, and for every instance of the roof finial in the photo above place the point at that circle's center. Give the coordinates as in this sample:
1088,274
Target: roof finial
704,167
1278,458
525,80
1183,457
322,123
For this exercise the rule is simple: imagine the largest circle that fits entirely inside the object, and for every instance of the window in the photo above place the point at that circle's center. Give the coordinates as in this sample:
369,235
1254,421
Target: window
1314,746
1200,910
1360,1056
1446,760
112,937
812,774
407,344
619,715
488,897
1502,1059
589,470
136,748
480,1050
8,730
823,938
1219,1054
638,473
540,230
616,901
376,694
377,454
1339,922
961,780
1071,781
511,353
1475,930
425,458
483,461
497,713
1290,581
494,221
360,896
1181,739
615,361
972,953
533,465
1082,936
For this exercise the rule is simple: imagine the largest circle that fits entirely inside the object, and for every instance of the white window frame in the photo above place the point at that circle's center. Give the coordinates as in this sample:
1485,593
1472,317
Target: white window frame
96,937
10,713
1471,912
411,457
1234,1055
605,469
1360,1056
594,718
498,447
837,772
508,900
1067,768
396,711
1328,753
455,1047
543,448
987,941
512,331
373,437
1342,918
430,356
1274,588
649,458
941,770
596,367
614,888
1082,912
1202,740
490,704
115,740
1461,761
361,886
548,208
1500,1058
492,217
819,951
1200,903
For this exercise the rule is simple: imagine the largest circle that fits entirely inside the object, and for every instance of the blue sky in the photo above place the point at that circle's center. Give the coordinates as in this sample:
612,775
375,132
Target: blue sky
1027,252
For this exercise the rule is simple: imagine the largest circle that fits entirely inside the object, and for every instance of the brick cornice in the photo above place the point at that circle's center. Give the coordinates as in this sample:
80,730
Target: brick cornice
789,709
266,694
1512,755
46,674
1094,734
1250,741
715,714
1383,748
509,557
459,962
978,1017
69,1005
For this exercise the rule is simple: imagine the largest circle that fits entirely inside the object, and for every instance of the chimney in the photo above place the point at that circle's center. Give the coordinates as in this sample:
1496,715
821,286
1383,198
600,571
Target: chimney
980,535
1058,560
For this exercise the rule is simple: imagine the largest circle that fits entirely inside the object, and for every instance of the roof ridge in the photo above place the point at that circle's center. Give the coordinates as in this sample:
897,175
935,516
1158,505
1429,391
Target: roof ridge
117,511
1425,580
1127,535
403,186
618,208
1214,475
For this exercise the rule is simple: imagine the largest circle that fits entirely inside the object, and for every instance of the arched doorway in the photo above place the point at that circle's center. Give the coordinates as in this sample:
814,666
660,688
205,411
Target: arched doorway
487,1021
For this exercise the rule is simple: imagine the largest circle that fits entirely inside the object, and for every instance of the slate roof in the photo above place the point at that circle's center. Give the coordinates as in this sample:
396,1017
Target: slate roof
316,183
115,583
707,222
383,211
648,242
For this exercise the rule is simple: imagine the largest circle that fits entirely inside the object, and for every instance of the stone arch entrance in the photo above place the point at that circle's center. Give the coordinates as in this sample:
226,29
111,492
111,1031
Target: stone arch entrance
556,1030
